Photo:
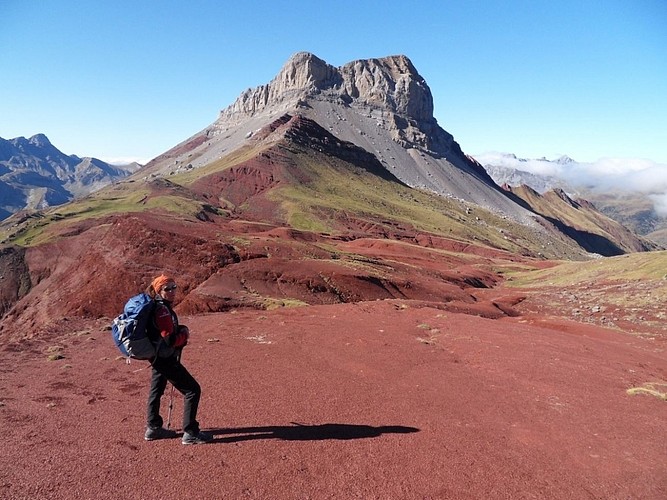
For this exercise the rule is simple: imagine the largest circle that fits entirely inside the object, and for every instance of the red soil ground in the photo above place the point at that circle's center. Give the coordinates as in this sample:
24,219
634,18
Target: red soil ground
432,388
378,400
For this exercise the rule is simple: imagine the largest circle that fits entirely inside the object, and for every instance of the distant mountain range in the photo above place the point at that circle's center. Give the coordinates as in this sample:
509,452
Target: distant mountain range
35,174
630,202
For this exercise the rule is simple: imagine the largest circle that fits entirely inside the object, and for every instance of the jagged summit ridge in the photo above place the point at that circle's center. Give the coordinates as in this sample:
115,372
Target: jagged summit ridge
386,93
305,71
390,84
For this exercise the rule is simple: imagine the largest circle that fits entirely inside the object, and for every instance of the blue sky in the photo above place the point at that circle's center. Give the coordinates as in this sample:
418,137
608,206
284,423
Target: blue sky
119,79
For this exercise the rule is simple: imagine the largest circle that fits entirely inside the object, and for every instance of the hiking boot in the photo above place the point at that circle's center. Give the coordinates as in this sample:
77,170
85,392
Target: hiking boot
153,433
199,438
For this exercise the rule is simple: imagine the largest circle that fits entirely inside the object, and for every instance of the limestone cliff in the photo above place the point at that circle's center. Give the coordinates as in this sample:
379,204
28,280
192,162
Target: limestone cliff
391,84
390,87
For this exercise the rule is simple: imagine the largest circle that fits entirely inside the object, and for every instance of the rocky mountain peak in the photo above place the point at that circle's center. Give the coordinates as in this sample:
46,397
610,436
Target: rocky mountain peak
564,160
389,84
392,83
40,140
305,71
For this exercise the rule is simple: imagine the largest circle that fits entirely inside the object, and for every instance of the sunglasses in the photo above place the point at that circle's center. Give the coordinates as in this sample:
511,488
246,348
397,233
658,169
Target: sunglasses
170,288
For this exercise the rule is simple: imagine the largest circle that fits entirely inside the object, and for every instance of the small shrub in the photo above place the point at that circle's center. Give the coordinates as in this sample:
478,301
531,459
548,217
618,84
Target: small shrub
650,389
54,353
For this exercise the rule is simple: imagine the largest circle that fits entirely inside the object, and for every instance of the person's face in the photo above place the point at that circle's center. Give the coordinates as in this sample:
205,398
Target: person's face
168,292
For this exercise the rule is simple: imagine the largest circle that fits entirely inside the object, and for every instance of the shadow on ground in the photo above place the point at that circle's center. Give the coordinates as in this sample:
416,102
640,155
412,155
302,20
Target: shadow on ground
301,432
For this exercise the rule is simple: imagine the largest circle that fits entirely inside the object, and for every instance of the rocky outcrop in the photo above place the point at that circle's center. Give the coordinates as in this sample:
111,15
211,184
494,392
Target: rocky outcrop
14,276
389,86
304,74
390,83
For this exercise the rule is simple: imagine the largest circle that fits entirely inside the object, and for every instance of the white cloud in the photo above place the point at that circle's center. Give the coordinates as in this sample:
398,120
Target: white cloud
539,167
623,174
650,179
660,204
125,160
629,174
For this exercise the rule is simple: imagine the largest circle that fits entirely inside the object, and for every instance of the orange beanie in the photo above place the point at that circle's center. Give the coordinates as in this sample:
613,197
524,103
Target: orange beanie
160,282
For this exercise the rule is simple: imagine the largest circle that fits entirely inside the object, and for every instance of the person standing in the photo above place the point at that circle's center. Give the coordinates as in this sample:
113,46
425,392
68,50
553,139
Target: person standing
170,338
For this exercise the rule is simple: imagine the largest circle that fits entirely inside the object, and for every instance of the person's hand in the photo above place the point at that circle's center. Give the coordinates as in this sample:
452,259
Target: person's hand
182,337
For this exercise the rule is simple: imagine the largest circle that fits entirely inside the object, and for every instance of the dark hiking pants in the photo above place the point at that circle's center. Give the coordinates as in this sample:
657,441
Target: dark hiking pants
171,370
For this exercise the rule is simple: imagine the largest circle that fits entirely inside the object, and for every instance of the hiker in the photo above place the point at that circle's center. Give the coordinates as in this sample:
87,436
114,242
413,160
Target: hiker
170,339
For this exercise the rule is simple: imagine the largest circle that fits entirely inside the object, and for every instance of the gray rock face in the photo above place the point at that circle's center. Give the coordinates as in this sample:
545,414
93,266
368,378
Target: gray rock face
390,84
390,87
388,91
303,75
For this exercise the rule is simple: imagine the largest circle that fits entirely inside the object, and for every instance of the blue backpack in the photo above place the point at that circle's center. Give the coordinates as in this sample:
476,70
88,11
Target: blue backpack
129,329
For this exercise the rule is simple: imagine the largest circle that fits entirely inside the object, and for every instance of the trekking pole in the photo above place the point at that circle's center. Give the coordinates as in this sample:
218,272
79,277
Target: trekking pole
171,394
171,405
